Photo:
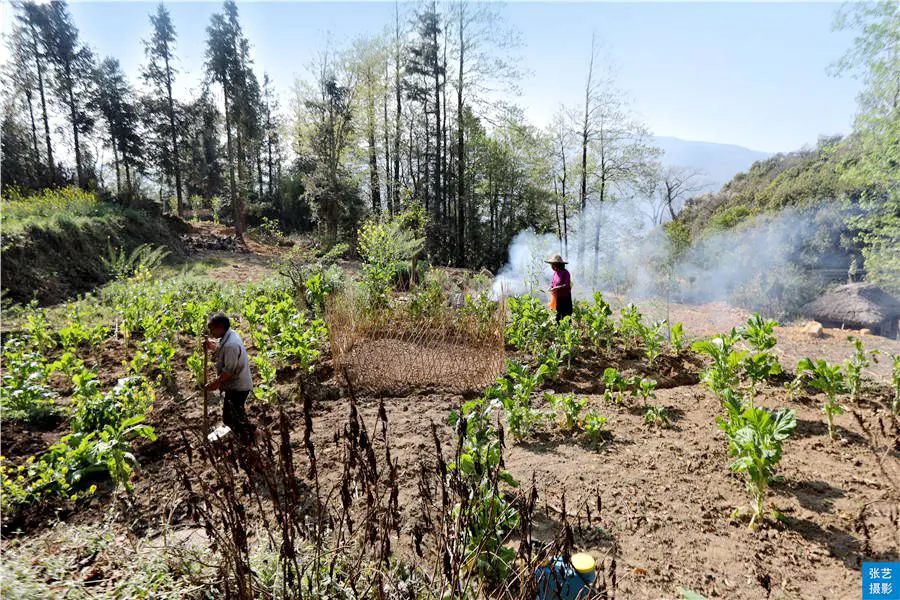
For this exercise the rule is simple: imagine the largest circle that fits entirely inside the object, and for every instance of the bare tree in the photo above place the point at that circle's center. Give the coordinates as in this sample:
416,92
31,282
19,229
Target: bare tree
676,185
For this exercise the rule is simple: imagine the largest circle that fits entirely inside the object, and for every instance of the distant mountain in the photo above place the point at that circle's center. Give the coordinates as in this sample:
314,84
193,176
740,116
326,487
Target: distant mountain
719,162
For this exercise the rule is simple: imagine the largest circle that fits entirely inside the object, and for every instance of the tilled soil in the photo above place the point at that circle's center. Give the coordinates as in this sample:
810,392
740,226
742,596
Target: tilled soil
666,495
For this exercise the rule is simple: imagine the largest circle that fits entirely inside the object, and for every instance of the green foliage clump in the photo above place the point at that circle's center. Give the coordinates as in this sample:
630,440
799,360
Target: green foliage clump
828,379
76,332
854,366
755,437
723,374
25,394
383,247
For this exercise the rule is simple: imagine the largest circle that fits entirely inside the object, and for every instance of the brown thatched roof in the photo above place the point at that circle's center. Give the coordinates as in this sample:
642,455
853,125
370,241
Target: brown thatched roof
854,304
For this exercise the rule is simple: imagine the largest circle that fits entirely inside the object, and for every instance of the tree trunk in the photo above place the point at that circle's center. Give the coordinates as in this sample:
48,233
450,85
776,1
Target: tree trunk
29,97
460,152
40,74
269,164
373,152
388,180
116,162
241,177
397,94
175,161
232,184
73,112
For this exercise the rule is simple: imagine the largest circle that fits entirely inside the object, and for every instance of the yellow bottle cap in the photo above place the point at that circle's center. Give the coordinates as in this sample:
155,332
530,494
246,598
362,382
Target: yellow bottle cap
583,562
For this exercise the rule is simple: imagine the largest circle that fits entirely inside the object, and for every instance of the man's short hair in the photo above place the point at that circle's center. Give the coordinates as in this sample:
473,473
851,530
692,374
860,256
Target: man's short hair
219,320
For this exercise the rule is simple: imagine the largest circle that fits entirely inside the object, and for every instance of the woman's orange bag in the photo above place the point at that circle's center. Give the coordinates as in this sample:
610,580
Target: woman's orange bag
552,304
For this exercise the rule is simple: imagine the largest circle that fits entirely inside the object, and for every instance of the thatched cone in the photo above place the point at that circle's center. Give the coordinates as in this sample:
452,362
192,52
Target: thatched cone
857,306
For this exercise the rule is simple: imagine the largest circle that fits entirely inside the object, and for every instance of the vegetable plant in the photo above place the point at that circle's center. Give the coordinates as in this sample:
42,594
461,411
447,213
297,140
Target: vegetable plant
594,426
614,382
755,437
486,516
854,366
75,332
265,389
195,365
37,329
570,406
598,323
828,379
568,341
759,333
676,336
25,394
657,416
645,389
722,374
760,366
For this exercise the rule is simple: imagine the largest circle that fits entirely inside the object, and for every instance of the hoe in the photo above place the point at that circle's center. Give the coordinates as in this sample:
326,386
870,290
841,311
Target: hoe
223,432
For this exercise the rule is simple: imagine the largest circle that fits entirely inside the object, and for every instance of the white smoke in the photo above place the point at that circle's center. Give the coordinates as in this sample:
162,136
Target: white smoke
772,263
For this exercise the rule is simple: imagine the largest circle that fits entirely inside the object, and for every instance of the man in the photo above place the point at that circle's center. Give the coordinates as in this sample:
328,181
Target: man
233,368
560,288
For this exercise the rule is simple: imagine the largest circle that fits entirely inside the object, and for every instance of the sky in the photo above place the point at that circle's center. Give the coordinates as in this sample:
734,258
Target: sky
751,74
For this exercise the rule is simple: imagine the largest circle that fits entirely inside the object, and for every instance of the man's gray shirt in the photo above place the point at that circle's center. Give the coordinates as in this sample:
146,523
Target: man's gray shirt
231,357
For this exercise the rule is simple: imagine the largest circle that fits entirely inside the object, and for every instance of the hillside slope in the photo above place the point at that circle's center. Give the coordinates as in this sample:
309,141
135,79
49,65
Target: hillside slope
54,258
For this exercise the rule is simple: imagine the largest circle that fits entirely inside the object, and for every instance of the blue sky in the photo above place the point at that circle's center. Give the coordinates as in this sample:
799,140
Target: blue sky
752,74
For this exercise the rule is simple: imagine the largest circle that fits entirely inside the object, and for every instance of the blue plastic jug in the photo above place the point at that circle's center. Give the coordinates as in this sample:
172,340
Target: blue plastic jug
562,580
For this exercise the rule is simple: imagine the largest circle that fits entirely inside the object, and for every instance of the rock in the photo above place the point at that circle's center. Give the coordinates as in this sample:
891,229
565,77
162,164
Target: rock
865,332
813,329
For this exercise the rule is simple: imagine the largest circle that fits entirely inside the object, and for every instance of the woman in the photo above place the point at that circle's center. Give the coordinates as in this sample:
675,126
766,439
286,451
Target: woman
560,288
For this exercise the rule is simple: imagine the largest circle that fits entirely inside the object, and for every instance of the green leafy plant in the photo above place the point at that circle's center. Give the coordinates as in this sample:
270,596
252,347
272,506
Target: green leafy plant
597,320
760,366
759,333
594,427
428,300
657,416
513,391
631,325
486,516
653,340
645,388
676,336
722,374
755,437
75,332
195,365
94,411
37,329
614,383
25,394
265,389
828,379
568,341
570,407
383,246
531,325
854,366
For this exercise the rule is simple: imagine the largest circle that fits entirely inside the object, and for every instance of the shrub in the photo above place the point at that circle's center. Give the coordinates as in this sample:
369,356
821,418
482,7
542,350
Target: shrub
383,246
141,261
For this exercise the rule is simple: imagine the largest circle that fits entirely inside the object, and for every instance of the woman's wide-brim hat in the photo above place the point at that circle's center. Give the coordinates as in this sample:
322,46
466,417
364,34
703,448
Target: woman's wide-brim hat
556,259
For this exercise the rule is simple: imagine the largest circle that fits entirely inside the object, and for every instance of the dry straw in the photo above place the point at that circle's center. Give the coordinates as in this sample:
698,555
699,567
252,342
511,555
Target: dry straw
390,352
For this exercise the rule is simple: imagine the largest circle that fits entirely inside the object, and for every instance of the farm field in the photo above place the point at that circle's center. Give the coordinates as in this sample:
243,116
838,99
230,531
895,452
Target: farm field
612,433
